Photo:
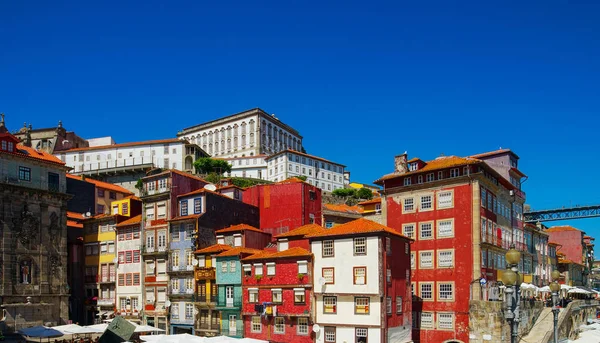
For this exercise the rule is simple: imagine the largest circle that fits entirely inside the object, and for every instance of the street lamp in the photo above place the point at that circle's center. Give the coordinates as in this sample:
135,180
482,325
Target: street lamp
512,281
555,288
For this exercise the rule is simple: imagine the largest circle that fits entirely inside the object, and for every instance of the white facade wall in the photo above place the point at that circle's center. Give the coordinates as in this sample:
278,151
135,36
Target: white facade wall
250,166
347,334
326,175
125,268
245,135
345,312
343,263
191,204
167,155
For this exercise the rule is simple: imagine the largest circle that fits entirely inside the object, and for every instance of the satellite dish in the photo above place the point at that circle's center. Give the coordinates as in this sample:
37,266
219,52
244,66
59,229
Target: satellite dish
195,262
115,260
316,328
322,282
88,214
167,303
210,187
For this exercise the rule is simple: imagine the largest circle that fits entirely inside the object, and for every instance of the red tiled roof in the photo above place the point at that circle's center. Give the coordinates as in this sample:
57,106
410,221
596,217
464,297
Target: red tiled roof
442,162
230,186
267,255
102,184
562,228
492,153
30,153
359,226
239,227
72,223
372,201
239,251
216,248
191,176
202,191
290,180
123,145
302,231
189,216
131,221
75,215
343,208
303,154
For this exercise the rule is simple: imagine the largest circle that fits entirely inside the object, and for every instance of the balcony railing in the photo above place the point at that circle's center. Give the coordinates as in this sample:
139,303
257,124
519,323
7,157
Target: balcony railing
106,301
205,299
204,273
121,163
236,303
493,240
108,279
153,249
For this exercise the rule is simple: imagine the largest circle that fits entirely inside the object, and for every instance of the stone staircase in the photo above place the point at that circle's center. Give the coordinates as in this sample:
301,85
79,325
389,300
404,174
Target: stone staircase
543,325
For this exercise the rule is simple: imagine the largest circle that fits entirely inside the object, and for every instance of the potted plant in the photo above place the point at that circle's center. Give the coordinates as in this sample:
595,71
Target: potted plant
300,276
258,277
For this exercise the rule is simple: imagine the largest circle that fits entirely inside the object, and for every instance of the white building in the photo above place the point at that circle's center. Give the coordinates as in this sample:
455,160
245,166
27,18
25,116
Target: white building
320,172
129,270
248,133
249,166
361,289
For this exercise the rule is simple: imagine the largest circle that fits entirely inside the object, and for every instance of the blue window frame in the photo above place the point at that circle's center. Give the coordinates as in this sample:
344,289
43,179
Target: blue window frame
197,205
184,208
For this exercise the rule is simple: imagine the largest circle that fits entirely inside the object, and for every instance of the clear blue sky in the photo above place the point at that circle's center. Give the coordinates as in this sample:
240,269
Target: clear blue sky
362,81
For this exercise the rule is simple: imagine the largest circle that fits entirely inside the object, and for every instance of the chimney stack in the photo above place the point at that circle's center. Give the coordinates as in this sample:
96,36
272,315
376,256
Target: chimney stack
400,165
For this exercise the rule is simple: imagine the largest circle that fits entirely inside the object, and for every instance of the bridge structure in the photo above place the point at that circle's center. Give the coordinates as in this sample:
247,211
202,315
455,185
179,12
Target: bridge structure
577,212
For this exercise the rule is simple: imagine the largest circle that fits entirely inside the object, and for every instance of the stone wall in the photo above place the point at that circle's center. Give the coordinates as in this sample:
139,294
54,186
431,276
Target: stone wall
571,318
487,322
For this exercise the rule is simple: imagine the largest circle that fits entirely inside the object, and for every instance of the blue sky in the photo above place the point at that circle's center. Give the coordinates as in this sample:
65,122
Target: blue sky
362,81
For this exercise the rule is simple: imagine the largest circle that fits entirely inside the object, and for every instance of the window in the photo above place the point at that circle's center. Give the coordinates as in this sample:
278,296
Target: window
175,311
420,179
256,324
361,305
398,304
445,199
413,256
184,208
407,181
445,228
276,294
197,206
279,325
360,246
299,296
232,266
409,204
253,295
454,172
302,267
440,175
361,335
302,326
445,258
327,249
445,291
426,290
329,334
136,279
330,305
425,231
426,259
258,269
328,274
189,311
408,230
121,279
430,177
24,174
426,202
483,198
388,305
224,267
360,275
388,275
445,321
427,320
136,256
271,268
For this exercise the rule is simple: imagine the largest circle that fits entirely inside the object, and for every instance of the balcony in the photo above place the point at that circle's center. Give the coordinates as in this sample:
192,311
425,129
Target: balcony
204,273
180,269
494,240
182,320
203,299
106,279
152,250
234,304
106,302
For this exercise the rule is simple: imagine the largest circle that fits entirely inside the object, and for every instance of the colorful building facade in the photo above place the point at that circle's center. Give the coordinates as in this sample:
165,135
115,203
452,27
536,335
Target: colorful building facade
129,269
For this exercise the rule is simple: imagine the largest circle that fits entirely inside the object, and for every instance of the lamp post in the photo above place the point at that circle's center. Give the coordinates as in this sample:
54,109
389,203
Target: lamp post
512,281
555,288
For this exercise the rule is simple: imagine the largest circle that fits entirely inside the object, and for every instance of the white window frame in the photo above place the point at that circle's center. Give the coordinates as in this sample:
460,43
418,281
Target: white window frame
270,268
409,225
452,291
279,325
413,260
431,286
256,324
440,322
423,204
302,326
442,258
424,257
427,318
421,225
360,245
399,308
443,201
408,207
445,234
253,295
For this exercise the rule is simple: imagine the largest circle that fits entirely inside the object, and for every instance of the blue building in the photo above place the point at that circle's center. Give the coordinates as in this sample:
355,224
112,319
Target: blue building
229,282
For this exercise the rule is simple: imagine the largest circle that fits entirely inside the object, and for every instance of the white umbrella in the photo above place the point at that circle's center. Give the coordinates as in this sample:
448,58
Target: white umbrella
544,289
179,338
98,328
252,340
222,339
565,287
578,291
147,328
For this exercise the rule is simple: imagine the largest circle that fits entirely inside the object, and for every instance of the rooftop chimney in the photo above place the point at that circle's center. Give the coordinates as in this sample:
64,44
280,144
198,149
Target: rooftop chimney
400,165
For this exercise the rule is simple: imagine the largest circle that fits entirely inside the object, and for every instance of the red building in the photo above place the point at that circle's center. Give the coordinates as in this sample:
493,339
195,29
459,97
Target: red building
277,296
453,207
285,205
573,250
243,235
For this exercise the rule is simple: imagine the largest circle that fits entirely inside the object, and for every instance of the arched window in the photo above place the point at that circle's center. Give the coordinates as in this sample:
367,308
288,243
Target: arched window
243,141
210,148
251,138
229,144
25,271
216,147
235,130
243,128
252,126
235,142
210,137
204,138
228,131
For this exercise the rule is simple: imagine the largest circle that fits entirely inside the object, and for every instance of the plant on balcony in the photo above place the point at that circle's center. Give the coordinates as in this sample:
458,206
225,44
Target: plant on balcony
300,276
258,277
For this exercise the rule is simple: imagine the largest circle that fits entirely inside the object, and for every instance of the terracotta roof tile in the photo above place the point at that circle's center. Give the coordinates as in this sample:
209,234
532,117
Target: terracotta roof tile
75,215
31,153
267,255
437,164
72,223
562,228
238,228
216,248
131,221
189,216
239,251
492,153
202,191
359,226
302,231
343,208
102,184
290,180
124,145
372,201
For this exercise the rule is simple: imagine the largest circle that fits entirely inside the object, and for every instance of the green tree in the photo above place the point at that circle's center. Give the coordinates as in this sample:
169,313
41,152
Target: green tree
344,192
301,177
207,165
364,193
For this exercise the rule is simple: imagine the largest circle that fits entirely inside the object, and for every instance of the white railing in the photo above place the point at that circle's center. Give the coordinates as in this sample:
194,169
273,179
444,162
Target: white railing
80,166
106,301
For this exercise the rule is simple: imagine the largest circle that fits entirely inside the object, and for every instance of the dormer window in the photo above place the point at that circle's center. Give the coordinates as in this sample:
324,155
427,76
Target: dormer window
413,166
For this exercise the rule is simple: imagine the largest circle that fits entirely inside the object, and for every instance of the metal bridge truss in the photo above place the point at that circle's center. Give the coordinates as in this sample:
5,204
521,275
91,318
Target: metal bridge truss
562,214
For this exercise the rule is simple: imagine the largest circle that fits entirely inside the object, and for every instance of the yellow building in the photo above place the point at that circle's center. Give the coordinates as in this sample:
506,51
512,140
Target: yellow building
126,206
